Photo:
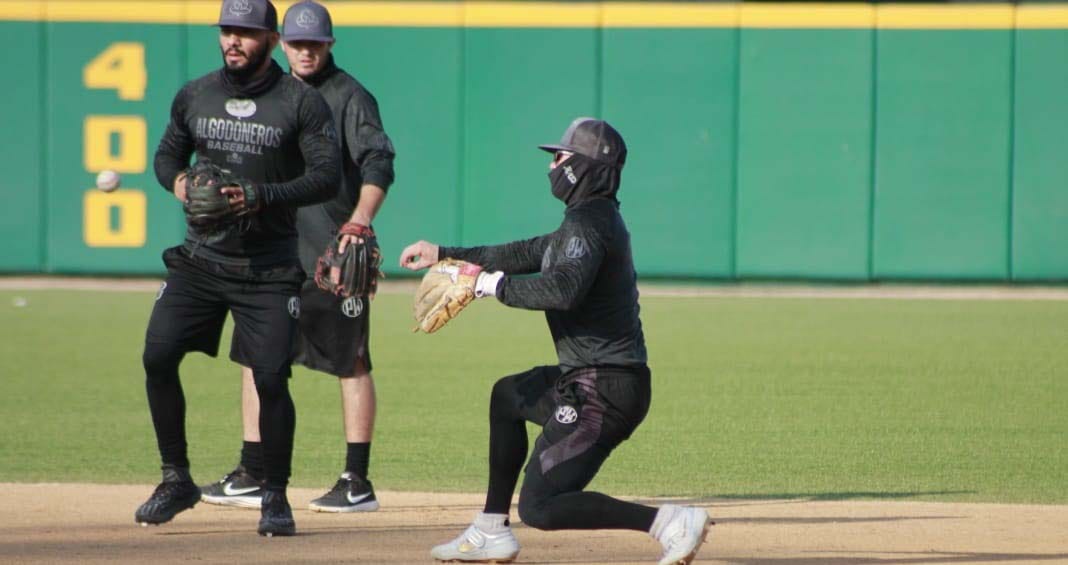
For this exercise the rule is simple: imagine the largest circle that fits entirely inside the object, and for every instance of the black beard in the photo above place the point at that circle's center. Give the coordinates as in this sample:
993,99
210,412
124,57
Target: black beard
255,63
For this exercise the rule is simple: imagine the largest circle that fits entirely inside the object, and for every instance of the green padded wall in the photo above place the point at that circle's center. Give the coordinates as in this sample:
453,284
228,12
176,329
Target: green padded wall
804,153
21,218
943,102
71,103
521,89
1040,173
677,190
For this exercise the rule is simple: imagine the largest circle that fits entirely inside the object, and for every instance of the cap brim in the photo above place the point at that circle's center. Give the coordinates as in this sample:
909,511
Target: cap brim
246,26
553,148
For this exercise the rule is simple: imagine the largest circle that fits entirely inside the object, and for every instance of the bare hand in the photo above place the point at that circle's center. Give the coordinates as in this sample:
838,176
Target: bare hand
419,255
235,196
179,186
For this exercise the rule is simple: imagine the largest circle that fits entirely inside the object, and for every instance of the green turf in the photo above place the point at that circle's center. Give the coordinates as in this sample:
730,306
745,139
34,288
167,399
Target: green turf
813,398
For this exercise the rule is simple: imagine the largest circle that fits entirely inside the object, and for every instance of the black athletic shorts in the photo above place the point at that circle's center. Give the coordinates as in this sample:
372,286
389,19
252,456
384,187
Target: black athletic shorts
334,331
584,414
192,303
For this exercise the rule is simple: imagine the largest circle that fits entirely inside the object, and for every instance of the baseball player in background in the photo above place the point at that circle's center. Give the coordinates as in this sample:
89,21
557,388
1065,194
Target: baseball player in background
277,134
599,391
334,330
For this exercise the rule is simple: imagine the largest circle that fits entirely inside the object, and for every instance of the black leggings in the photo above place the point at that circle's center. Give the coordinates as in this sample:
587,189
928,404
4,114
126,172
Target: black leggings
166,400
584,415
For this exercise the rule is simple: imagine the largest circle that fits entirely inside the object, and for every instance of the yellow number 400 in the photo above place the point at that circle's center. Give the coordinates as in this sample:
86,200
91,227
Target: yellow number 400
120,67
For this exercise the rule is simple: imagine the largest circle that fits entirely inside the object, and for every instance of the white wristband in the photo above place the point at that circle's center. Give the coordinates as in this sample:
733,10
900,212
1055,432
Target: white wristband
486,285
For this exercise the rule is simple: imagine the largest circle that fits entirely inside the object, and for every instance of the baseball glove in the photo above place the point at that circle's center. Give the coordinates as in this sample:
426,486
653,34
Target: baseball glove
354,272
206,206
447,288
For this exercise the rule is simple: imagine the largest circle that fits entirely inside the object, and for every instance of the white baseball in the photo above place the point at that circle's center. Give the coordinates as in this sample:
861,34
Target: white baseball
108,180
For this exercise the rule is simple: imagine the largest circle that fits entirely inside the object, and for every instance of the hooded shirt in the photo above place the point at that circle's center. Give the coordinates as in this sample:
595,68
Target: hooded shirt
585,282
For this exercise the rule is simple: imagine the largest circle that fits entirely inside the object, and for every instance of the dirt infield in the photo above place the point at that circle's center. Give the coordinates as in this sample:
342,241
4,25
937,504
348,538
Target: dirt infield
69,523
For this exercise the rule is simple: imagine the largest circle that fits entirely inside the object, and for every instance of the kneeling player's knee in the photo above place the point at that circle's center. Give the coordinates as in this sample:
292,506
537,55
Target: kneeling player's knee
501,397
534,512
161,360
270,385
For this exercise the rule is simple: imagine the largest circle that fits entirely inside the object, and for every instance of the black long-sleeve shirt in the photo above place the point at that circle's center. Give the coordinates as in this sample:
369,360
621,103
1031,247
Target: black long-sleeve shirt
283,140
587,285
366,158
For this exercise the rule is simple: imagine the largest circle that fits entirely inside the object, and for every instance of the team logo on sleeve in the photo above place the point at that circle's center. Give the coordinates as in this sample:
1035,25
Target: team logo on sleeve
352,307
241,107
162,288
294,307
576,247
547,258
566,415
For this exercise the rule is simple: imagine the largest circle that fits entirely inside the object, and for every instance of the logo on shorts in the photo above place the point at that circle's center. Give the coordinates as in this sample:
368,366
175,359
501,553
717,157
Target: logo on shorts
162,288
352,307
576,247
566,415
294,307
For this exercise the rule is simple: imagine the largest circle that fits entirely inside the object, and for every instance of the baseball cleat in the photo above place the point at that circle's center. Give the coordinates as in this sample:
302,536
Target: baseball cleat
486,544
350,494
682,534
176,493
276,517
237,488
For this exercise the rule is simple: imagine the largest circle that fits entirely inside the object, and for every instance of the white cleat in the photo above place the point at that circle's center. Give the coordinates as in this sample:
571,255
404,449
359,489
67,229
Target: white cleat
681,530
480,545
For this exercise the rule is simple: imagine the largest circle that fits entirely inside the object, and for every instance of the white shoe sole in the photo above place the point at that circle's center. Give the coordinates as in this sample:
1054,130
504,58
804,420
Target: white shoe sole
233,501
361,507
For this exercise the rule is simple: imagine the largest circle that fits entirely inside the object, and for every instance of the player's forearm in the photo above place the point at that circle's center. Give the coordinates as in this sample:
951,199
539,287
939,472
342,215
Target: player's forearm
517,257
371,198
168,167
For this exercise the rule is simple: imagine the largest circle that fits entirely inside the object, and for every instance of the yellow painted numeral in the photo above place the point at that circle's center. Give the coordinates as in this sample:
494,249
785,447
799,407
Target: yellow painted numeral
132,213
120,67
132,136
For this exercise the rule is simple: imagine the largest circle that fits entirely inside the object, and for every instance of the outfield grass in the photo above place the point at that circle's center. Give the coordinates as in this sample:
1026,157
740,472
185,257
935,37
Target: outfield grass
753,397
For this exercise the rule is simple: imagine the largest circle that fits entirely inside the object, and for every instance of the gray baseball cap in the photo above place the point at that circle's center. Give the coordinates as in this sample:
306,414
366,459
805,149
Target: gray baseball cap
308,21
593,138
254,14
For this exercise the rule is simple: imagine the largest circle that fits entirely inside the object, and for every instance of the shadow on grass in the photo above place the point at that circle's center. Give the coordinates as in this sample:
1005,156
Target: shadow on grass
779,497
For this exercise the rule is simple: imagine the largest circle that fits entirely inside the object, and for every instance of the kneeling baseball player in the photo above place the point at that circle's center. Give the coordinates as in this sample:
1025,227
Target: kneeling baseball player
598,393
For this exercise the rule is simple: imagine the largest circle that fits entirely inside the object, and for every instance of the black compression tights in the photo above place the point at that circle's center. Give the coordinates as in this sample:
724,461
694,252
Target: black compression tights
278,420
166,401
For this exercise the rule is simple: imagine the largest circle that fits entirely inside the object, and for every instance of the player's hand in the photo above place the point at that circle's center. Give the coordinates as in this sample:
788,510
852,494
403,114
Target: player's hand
235,196
345,240
419,255
179,186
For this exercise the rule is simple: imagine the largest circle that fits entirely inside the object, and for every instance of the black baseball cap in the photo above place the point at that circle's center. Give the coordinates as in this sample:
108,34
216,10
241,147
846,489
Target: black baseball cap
593,138
308,21
254,14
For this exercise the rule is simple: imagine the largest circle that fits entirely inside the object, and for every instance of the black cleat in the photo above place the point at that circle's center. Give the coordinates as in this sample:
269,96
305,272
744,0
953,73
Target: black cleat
237,488
176,493
350,494
276,517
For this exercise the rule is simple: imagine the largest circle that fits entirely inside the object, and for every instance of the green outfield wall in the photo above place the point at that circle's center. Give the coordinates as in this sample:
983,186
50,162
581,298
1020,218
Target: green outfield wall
796,141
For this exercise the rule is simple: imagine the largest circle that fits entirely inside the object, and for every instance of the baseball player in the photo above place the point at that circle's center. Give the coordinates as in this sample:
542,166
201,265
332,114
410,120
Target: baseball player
277,133
333,330
600,390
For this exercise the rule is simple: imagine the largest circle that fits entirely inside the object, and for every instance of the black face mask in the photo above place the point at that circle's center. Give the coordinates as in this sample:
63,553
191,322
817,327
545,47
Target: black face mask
580,178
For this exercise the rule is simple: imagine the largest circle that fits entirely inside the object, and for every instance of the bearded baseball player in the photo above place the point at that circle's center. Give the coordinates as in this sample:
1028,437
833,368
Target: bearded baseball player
599,391
334,329
265,144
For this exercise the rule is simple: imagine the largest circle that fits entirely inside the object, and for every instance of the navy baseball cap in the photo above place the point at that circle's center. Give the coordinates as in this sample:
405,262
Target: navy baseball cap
254,14
593,138
308,21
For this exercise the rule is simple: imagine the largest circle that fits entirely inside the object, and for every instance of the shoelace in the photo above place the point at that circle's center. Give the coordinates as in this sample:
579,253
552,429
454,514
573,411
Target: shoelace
164,490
